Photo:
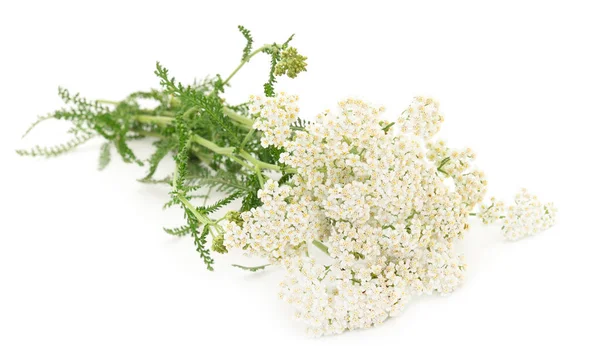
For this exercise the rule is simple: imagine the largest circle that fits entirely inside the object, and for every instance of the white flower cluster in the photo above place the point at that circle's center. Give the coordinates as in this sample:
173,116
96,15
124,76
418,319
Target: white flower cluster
528,216
286,220
274,117
490,213
422,118
470,183
387,208
331,300
452,162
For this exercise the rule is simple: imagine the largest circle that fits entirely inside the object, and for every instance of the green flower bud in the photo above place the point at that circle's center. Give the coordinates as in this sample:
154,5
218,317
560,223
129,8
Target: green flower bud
234,216
291,63
218,244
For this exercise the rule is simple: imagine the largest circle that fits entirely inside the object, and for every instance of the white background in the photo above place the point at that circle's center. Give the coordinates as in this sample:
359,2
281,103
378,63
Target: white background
86,270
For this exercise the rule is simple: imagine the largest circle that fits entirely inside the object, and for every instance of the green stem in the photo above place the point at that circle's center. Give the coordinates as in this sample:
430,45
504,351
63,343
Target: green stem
112,102
244,61
238,117
205,158
227,151
154,119
241,162
190,111
387,127
258,163
247,138
444,162
321,246
165,120
261,179
191,208
256,268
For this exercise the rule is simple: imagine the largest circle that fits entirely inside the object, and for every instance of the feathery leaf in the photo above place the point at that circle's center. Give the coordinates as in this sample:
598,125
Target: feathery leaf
246,33
51,151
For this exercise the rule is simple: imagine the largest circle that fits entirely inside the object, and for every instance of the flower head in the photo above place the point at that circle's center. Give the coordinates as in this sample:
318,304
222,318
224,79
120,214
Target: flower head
274,115
422,118
291,63
387,206
527,216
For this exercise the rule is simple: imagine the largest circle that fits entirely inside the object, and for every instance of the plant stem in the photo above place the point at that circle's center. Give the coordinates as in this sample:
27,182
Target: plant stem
261,179
205,158
191,208
247,138
244,61
258,163
387,127
256,268
227,151
112,102
188,112
238,117
166,120
321,246
265,165
154,119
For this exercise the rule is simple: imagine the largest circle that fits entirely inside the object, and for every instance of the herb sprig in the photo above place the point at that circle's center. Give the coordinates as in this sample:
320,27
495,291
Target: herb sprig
212,141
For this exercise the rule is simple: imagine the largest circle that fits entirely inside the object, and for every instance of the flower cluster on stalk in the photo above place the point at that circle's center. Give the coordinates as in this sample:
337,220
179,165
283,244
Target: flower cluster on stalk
274,117
387,206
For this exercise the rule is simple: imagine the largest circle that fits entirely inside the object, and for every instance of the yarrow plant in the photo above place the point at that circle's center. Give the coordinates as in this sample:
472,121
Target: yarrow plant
361,211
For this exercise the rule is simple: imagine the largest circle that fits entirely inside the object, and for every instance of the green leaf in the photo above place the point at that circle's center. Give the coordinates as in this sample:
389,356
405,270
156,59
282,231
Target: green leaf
252,269
251,199
104,158
200,243
163,147
178,231
246,33
221,181
220,204
269,87
51,151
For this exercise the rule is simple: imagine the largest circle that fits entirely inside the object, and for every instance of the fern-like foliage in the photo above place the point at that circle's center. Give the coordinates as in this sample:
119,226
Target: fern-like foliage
251,199
181,159
51,151
34,124
269,86
285,178
248,48
275,52
212,142
163,147
200,243
88,117
220,203
178,231
269,154
165,180
222,181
